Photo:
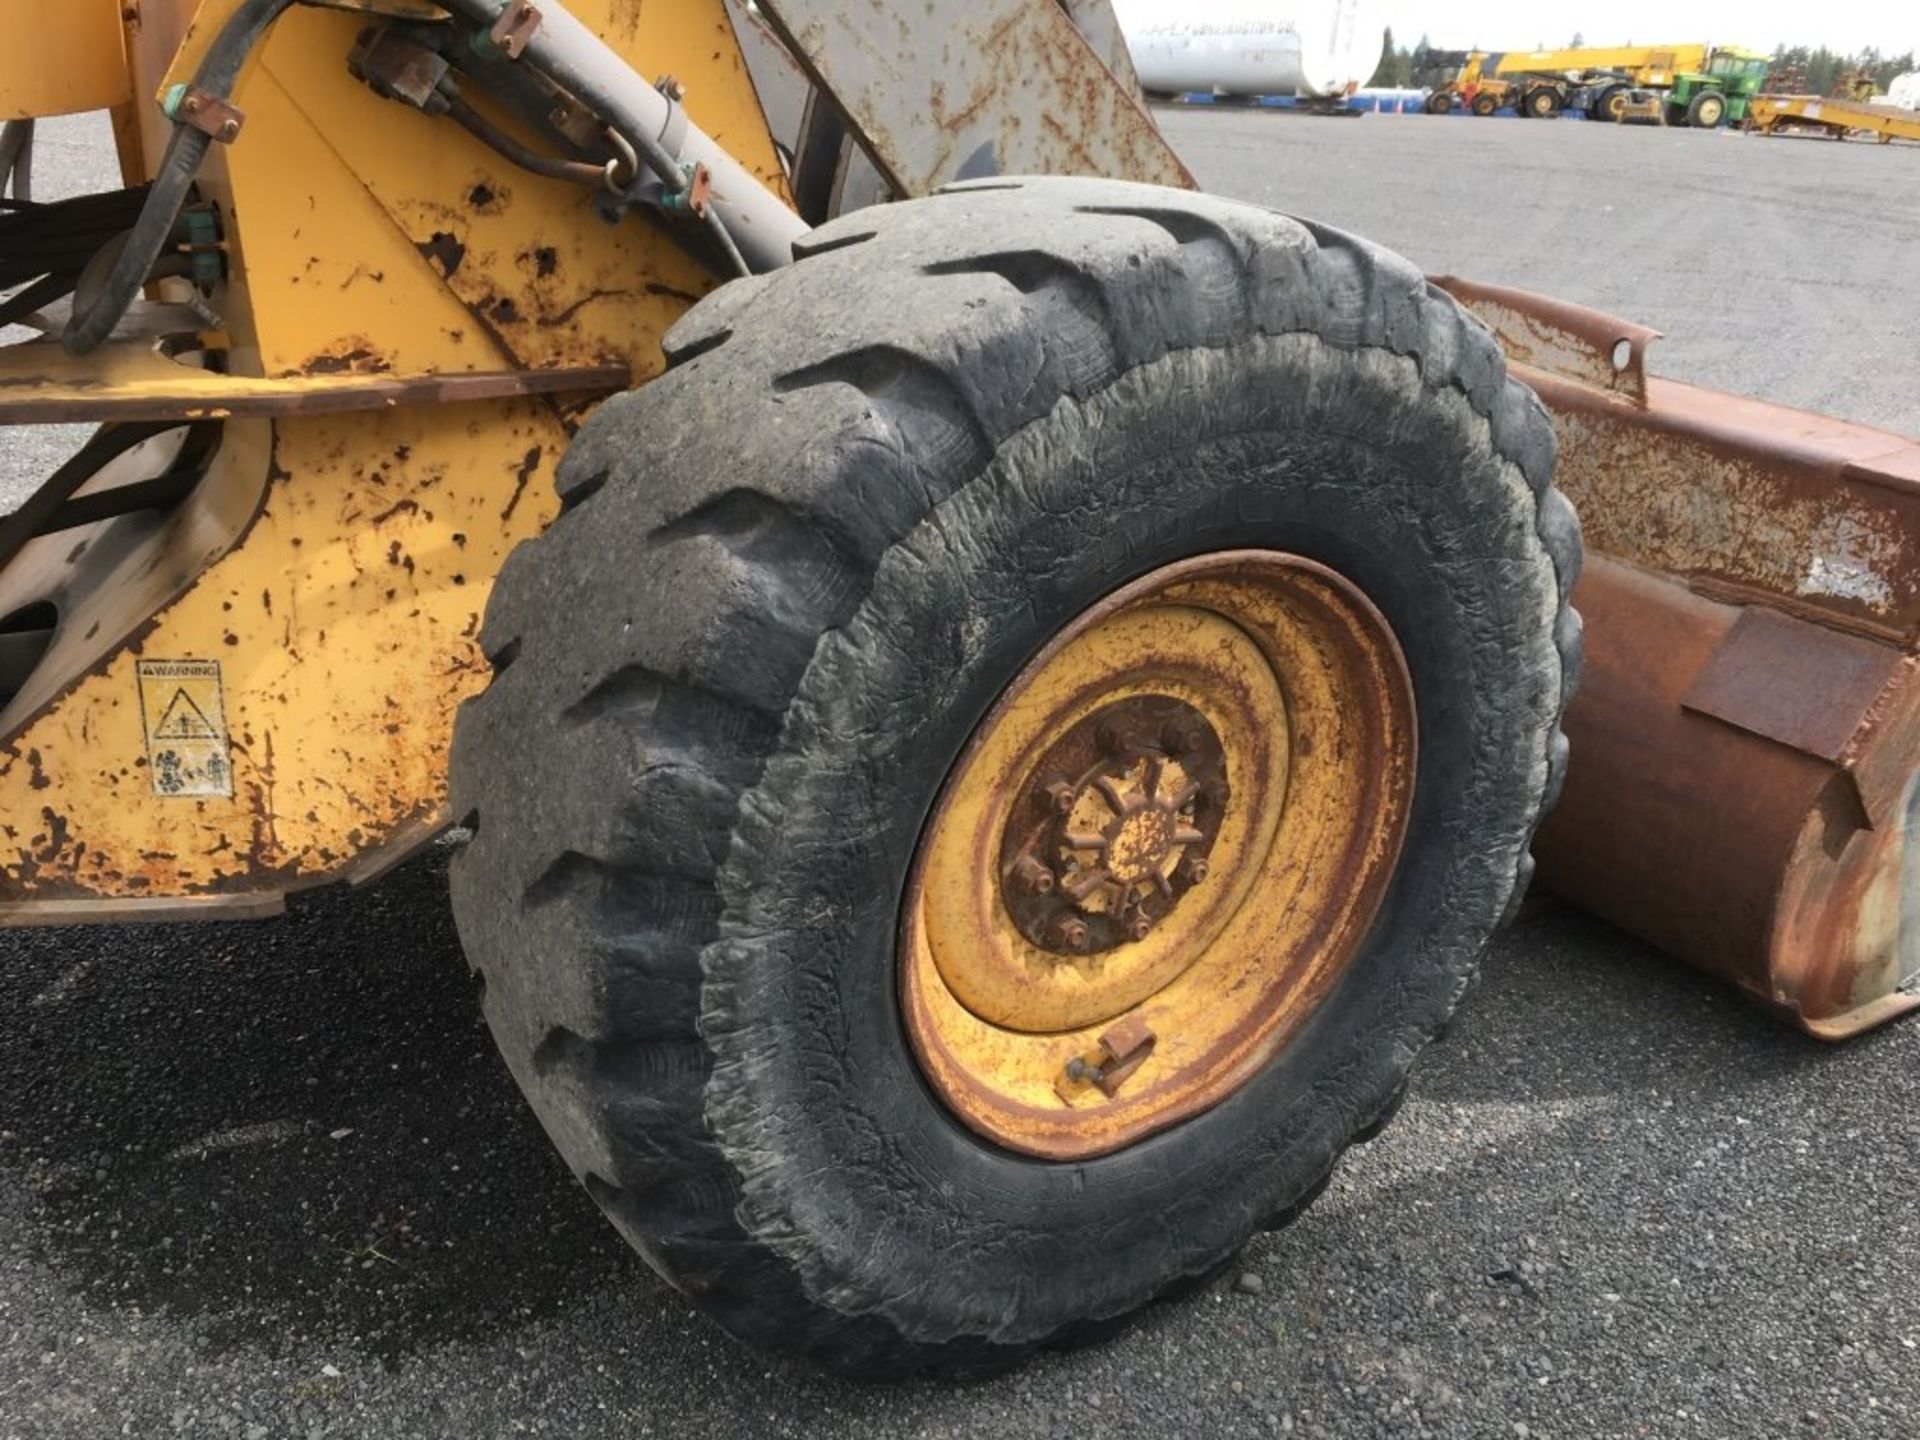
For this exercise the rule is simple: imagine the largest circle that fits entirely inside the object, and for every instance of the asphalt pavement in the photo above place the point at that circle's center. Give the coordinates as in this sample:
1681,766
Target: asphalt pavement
270,1180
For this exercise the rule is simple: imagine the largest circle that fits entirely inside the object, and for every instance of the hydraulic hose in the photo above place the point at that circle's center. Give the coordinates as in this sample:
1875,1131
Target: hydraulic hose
179,167
577,172
760,228
16,160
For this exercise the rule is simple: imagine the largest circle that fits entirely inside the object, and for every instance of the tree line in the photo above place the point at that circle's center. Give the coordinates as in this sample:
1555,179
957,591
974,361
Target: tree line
1811,70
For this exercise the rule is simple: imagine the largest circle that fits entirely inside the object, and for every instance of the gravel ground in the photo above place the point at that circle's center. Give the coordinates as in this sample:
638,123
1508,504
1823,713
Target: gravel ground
270,1181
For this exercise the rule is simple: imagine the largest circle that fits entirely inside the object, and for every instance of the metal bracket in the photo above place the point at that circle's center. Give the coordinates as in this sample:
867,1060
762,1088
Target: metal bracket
693,197
395,66
673,131
515,27
1123,1050
205,112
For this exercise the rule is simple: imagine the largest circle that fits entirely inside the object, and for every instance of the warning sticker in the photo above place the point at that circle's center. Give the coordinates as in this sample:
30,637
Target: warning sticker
186,727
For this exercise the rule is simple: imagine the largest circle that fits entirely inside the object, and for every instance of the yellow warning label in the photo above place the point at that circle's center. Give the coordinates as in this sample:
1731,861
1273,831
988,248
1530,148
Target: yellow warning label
186,727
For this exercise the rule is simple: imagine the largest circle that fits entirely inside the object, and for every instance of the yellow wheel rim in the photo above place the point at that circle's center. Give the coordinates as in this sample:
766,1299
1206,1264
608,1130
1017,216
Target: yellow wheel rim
1158,853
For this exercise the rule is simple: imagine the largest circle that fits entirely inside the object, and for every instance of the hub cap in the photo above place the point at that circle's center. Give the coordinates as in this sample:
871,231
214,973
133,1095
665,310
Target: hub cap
1158,853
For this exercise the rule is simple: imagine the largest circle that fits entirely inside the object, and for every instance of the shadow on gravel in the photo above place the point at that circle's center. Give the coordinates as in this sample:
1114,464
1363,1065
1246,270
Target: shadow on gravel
1570,1007
291,1130
299,1132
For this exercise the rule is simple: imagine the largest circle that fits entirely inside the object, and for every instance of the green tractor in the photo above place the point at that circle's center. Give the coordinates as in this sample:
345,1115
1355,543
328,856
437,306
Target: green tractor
1721,92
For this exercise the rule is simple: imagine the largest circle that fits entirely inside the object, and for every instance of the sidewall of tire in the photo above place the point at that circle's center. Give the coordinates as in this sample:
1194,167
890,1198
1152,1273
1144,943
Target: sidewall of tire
851,1170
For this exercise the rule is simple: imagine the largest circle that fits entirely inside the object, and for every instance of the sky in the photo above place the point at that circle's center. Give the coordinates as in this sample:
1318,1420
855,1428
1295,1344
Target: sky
1892,26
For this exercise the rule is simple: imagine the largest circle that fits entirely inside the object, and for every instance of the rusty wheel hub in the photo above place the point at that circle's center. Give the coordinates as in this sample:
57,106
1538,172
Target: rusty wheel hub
1115,826
1158,853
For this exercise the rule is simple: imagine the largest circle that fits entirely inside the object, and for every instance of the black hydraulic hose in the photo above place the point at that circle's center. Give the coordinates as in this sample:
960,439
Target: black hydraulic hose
16,159
590,86
43,291
503,144
186,151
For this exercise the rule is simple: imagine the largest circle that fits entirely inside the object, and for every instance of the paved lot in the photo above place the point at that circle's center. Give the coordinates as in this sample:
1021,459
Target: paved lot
270,1181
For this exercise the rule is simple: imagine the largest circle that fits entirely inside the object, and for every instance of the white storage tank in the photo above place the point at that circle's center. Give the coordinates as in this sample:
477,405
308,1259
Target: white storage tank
1905,91
1253,47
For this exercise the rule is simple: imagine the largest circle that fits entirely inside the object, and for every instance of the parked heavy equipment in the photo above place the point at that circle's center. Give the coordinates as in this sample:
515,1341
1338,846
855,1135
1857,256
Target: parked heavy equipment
983,734
1468,84
1834,119
1697,85
1719,93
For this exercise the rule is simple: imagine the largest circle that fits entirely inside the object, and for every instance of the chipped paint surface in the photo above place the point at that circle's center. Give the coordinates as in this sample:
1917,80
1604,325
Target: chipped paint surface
344,625
1746,738
1002,87
1737,498
1087,1036
389,275
1741,520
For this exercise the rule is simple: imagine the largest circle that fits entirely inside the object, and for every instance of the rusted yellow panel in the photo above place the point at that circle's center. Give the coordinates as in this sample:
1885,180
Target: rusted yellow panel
369,244
60,57
379,203
41,384
342,633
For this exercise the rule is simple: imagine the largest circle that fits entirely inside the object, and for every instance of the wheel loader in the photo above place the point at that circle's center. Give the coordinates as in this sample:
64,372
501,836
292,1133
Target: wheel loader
983,732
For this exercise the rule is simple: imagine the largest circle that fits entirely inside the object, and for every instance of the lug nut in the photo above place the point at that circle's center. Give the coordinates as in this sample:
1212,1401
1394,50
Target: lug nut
1070,933
1057,797
1032,876
1195,870
1182,737
1140,926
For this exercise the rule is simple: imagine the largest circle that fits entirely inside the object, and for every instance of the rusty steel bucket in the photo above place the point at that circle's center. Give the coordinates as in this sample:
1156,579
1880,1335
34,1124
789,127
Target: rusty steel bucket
1746,739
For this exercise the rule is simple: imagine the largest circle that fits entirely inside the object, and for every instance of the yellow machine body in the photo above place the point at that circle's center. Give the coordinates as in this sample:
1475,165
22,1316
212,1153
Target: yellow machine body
91,71
257,693
1653,66
215,702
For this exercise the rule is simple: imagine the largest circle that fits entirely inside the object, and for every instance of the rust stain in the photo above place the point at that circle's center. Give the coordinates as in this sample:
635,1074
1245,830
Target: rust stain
361,360
1746,738
445,252
522,473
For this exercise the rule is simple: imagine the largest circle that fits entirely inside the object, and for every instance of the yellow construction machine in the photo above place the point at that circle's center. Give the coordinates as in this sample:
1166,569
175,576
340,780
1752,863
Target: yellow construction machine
983,733
1544,82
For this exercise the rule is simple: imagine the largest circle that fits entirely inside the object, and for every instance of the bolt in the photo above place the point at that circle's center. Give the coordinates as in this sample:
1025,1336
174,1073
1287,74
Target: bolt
1032,876
1194,868
229,129
1070,933
1139,926
1182,737
1057,796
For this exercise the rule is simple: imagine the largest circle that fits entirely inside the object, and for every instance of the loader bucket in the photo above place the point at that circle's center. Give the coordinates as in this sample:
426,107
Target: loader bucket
1747,733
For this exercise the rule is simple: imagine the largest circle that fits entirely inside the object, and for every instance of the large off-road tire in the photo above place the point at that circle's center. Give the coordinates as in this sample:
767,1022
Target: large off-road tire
792,576
1609,104
1485,105
1707,110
